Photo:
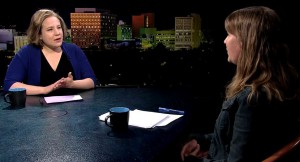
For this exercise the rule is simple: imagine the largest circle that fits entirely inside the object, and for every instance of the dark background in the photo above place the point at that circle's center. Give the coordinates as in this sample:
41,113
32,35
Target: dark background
212,12
211,72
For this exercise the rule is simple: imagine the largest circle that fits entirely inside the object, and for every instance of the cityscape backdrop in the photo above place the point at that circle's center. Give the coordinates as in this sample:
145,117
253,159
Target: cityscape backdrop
212,14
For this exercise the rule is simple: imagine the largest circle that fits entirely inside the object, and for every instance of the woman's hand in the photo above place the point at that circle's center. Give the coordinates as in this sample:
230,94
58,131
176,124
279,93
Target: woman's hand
57,85
68,81
192,148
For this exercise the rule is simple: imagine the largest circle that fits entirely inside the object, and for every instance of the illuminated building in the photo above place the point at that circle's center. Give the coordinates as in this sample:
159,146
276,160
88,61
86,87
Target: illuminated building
147,36
90,26
167,38
188,32
145,20
124,32
19,42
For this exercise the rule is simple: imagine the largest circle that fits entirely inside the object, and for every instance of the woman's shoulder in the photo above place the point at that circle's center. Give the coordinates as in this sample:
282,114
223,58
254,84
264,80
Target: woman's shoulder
71,49
243,93
28,49
261,97
69,46
246,96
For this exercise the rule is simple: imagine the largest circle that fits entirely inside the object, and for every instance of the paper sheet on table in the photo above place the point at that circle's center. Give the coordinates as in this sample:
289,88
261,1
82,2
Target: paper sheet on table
147,119
55,99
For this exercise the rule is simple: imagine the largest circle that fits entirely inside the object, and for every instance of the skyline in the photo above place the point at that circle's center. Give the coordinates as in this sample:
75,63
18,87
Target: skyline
212,12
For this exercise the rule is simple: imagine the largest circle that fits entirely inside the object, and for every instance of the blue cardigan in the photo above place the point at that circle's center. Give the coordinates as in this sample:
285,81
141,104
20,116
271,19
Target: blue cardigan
26,65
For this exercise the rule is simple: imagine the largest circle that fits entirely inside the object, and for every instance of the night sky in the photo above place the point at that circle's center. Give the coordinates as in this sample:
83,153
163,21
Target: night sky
213,12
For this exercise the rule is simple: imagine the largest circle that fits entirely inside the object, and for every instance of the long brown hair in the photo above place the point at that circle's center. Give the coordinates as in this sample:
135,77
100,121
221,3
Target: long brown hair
263,63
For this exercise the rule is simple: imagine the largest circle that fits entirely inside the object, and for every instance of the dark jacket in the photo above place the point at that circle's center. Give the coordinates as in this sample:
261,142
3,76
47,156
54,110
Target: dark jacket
26,65
250,131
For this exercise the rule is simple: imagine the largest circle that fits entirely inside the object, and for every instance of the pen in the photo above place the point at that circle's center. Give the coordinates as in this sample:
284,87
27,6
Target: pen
170,111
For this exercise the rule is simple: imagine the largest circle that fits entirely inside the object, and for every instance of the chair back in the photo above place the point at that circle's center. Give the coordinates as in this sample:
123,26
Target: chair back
288,153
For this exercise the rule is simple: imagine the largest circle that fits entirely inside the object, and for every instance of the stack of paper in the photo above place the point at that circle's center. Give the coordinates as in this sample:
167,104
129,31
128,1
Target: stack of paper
147,119
55,99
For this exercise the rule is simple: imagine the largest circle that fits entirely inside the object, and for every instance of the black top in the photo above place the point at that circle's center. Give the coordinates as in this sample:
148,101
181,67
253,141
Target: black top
49,76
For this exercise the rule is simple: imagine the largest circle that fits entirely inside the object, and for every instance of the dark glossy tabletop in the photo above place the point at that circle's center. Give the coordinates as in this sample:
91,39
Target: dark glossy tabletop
72,131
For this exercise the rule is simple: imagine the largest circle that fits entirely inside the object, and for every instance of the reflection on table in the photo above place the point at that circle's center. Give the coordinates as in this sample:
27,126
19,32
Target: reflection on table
72,131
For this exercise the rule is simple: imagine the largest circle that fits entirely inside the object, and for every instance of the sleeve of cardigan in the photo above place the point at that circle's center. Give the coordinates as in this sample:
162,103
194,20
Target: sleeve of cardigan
84,67
16,71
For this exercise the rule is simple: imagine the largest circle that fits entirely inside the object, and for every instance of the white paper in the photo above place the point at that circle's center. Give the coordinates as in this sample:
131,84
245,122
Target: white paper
147,119
55,99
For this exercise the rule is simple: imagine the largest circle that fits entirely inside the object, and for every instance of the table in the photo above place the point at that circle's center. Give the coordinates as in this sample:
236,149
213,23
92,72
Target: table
72,131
